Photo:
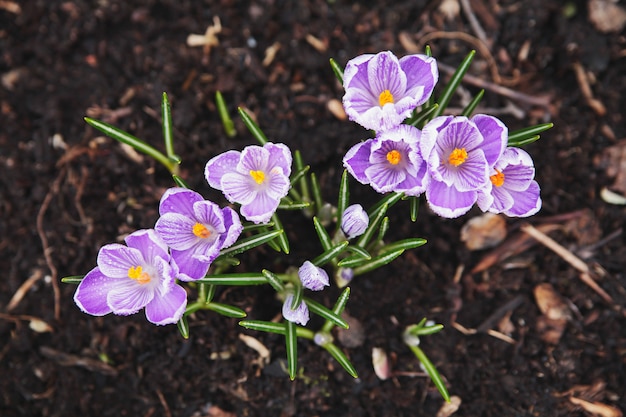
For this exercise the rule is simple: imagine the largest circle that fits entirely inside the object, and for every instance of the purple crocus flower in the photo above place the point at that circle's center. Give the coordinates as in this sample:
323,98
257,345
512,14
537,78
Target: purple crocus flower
195,230
354,221
513,191
460,153
382,91
390,162
313,277
257,178
129,278
300,315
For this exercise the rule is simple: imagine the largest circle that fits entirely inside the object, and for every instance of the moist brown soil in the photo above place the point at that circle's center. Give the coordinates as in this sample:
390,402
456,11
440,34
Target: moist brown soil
65,191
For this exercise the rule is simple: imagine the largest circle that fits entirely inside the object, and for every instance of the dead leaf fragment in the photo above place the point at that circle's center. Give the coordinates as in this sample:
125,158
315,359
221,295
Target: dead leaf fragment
264,353
550,302
606,16
336,108
380,362
597,408
483,232
449,408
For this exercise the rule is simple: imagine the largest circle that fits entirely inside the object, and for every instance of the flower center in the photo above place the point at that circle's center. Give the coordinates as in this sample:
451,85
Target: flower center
457,156
385,97
497,179
137,273
394,157
257,176
201,231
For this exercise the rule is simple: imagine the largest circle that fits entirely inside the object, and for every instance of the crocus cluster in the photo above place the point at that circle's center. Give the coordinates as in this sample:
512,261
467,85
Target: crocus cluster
456,161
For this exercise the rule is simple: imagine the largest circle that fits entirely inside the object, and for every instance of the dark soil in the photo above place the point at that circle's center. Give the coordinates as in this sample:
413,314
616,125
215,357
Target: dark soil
63,198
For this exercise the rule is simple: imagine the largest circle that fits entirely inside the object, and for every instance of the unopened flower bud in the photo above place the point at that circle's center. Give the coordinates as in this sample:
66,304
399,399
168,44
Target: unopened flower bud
300,315
313,277
354,221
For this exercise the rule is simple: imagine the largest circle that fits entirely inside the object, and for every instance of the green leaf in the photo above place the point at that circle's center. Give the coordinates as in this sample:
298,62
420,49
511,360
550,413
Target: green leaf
450,88
375,220
226,310
317,193
377,262
424,115
382,230
249,243
414,205
341,358
183,327
403,244
298,293
387,201
432,372
294,206
252,127
248,278
325,313
222,110
299,178
179,181
527,135
278,328
344,197
353,261
359,251
469,109
168,131
291,345
330,254
281,238
338,308
322,235
417,330
337,70
273,280
136,143
74,279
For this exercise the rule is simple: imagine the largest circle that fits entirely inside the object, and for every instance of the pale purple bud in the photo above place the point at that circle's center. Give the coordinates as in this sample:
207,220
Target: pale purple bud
354,221
300,315
312,277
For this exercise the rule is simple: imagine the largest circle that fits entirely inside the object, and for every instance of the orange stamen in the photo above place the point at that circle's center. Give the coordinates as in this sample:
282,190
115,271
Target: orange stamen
385,97
497,179
394,157
137,273
457,156
201,231
258,176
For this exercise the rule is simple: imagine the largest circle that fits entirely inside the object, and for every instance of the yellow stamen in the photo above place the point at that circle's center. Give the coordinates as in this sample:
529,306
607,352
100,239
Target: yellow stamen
385,97
201,231
457,156
137,273
394,157
258,176
497,179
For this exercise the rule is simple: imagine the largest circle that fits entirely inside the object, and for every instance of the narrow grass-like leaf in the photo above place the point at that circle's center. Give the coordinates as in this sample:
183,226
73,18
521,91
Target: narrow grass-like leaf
136,143
278,328
222,110
273,280
357,250
247,227
179,181
341,358
377,262
450,88
520,137
353,261
330,254
183,327
469,109
404,244
414,205
291,345
424,115
325,313
74,279
298,293
338,308
322,234
252,127
417,330
316,192
343,198
387,201
294,206
226,310
249,243
382,230
281,239
337,70
168,130
431,371
248,278
300,177
375,220
526,141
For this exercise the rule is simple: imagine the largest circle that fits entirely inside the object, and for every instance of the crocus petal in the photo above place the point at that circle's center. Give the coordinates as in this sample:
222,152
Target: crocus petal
383,178
421,76
429,135
460,133
278,184
253,158
447,201
357,160
149,243
495,134
91,294
239,188
209,213
518,177
471,175
233,226
383,73
279,156
194,263
219,166
502,200
114,260
178,200
354,221
128,297
526,203
300,315
168,308
312,277
176,230
260,210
